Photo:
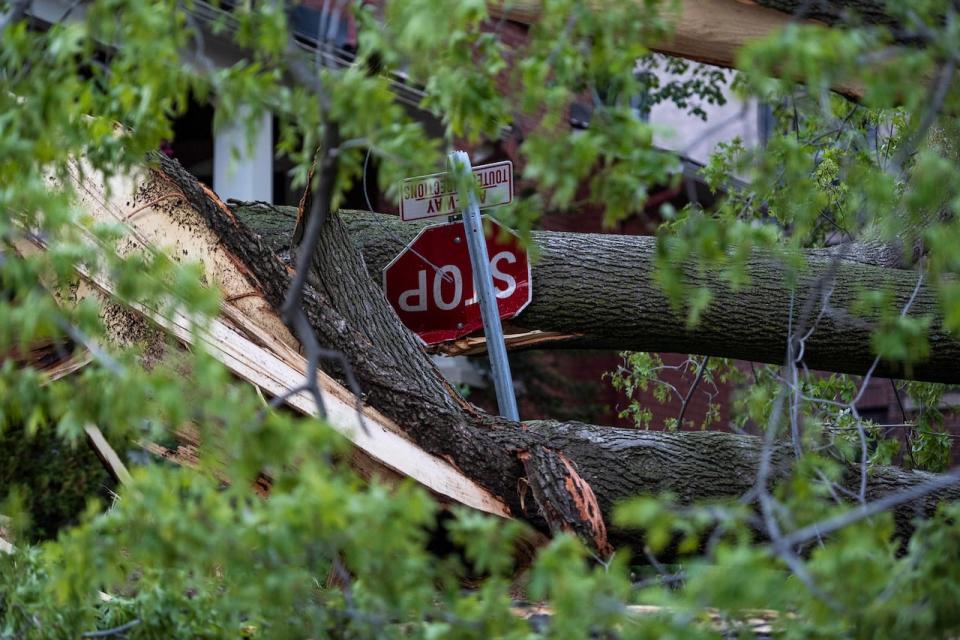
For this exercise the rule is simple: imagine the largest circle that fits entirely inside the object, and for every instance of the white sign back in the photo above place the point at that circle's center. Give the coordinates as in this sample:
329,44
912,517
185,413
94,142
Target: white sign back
435,195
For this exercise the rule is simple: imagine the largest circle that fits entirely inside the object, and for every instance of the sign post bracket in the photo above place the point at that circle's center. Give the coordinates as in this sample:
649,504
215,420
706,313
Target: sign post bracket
480,260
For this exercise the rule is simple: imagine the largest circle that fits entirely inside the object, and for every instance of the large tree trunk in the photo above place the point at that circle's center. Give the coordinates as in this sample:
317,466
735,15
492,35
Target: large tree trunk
596,291
713,31
557,476
838,12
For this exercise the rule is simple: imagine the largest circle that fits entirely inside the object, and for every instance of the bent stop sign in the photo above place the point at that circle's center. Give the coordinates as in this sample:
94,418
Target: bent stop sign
430,283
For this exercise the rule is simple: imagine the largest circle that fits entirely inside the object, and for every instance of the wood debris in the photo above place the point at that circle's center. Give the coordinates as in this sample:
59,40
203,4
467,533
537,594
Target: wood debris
248,337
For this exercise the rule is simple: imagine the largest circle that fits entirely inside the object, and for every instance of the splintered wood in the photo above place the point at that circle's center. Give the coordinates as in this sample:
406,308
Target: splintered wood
248,337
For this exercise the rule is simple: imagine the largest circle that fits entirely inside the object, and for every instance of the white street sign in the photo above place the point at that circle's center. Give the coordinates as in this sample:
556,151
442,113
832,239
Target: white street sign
436,194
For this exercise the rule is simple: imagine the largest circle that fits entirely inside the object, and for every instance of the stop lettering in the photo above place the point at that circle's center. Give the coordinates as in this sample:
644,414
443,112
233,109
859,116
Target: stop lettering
430,283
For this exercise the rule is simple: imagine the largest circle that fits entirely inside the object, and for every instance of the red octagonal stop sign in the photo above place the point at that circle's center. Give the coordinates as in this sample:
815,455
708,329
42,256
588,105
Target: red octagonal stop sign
430,284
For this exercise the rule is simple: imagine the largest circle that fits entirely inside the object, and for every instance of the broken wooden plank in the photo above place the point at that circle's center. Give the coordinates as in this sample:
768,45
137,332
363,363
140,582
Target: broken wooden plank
753,621
77,360
477,345
108,457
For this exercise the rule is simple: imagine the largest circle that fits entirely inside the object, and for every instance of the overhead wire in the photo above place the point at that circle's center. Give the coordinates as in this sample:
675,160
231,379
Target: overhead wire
336,55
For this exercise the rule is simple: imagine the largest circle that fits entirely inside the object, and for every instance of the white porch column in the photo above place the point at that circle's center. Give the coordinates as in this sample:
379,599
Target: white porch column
241,170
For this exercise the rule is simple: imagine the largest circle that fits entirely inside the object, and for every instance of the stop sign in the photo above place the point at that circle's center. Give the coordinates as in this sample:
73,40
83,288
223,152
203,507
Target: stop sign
430,283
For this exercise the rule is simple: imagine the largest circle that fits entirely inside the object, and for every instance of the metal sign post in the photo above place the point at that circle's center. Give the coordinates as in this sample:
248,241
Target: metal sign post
473,228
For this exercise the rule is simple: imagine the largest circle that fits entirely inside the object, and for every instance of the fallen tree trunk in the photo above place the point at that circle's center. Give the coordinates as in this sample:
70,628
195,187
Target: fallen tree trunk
557,476
728,23
714,31
709,31
597,291
248,338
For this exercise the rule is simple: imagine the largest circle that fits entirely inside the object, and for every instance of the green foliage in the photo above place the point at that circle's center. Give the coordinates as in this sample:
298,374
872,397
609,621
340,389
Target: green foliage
640,372
183,553
869,589
56,479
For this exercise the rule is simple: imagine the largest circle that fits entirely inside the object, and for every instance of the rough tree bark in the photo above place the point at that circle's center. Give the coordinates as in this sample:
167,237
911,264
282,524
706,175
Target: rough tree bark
713,31
836,11
868,11
557,476
597,290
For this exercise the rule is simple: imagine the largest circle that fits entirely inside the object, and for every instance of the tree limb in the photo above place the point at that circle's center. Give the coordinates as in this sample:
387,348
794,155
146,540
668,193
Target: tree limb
350,314
598,291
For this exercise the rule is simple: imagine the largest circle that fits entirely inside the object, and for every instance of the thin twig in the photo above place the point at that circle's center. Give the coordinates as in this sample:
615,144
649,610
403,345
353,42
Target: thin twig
805,534
863,387
908,435
693,387
115,631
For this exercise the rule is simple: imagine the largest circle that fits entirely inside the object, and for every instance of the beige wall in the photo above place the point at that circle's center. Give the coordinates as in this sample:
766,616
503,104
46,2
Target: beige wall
696,139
